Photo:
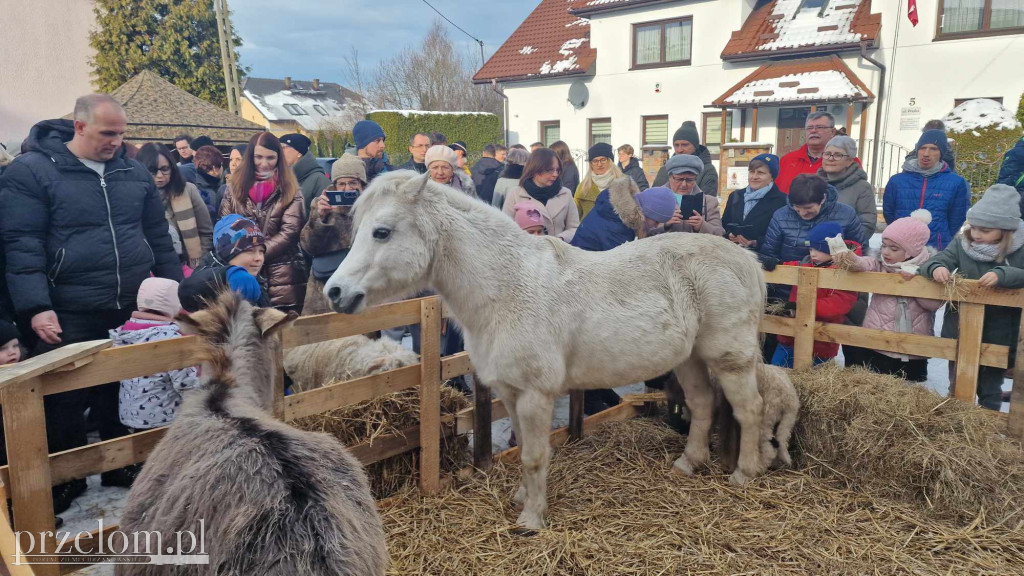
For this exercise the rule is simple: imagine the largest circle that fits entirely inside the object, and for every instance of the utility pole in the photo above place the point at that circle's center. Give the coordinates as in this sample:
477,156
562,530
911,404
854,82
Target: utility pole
227,55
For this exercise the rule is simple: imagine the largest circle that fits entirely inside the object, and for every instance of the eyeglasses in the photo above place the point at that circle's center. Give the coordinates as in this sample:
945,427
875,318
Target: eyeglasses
835,155
165,171
348,186
820,127
600,160
682,180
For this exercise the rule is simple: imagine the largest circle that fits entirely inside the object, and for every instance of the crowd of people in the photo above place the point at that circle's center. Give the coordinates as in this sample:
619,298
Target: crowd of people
101,239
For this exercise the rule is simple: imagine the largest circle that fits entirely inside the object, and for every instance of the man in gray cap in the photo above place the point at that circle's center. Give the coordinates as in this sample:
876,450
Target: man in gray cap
704,216
312,178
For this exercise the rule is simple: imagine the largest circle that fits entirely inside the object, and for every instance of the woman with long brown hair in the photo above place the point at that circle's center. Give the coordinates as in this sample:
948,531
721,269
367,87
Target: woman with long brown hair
265,191
570,173
540,184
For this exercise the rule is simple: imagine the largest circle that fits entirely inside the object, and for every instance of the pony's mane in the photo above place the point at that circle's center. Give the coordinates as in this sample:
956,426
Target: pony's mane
212,325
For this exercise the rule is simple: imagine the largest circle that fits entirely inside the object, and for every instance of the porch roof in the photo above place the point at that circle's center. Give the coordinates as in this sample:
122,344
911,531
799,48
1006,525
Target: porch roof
806,81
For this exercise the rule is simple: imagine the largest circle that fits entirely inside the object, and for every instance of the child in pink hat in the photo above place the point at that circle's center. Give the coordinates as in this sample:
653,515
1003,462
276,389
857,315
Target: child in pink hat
529,218
904,249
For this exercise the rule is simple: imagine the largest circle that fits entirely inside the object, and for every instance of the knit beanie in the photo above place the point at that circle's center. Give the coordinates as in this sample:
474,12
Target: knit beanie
297,141
816,238
771,161
688,132
366,131
159,295
845,143
998,208
600,150
658,203
8,332
910,232
442,153
244,283
349,166
528,214
235,234
936,137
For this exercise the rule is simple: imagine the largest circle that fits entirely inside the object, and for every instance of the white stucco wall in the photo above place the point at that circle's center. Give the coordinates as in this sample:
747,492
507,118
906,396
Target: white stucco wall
44,54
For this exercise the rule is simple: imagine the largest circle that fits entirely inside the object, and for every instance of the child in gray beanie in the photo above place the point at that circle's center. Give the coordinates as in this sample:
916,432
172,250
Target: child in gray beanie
989,250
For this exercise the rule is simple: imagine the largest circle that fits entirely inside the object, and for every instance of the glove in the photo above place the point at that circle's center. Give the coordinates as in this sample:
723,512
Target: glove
244,283
769,263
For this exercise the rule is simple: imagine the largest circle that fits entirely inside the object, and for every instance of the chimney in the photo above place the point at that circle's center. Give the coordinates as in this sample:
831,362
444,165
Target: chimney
316,83
287,82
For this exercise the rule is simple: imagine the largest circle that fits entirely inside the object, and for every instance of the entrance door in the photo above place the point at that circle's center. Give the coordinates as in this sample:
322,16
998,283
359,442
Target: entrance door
791,129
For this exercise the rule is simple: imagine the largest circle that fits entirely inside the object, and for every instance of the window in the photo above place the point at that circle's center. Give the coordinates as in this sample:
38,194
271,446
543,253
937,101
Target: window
295,110
655,131
663,43
712,135
959,101
600,130
550,132
965,18
320,109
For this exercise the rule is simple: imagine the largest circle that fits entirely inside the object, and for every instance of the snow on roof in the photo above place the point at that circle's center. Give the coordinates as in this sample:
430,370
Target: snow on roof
310,107
406,113
527,50
812,26
817,85
980,113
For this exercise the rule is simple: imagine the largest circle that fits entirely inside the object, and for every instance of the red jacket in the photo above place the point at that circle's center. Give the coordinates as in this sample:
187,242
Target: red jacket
792,165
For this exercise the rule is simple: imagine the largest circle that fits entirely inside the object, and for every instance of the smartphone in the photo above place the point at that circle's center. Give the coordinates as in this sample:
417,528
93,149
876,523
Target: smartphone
691,203
341,197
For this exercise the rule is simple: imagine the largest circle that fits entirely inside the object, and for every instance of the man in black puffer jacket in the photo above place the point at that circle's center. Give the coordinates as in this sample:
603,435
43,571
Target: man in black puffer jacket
82,226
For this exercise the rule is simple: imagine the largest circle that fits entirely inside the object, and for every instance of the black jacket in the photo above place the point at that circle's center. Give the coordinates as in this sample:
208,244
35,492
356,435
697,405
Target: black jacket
411,164
75,241
756,223
636,172
208,280
212,190
312,178
570,176
482,169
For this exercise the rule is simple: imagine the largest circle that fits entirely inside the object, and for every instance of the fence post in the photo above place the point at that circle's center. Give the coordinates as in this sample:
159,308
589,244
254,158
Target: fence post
482,457
29,467
1015,424
806,304
430,396
576,414
968,351
278,405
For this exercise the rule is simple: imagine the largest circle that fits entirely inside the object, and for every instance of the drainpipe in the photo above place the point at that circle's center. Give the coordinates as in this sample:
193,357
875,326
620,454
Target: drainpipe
878,112
494,86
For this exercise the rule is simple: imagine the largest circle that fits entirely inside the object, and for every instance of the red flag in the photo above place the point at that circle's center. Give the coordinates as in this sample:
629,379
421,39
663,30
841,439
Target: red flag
912,11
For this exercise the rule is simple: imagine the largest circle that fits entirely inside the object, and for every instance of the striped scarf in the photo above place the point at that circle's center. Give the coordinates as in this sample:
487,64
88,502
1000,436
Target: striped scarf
184,216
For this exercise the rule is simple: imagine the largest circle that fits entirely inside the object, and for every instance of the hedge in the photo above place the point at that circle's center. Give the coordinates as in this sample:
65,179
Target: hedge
979,154
475,129
329,143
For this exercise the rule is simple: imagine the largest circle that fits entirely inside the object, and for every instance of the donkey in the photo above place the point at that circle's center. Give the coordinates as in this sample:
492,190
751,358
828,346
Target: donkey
540,317
273,500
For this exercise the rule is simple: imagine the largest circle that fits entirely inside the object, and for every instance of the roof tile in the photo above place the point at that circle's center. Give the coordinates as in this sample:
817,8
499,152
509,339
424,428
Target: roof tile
781,25
825,79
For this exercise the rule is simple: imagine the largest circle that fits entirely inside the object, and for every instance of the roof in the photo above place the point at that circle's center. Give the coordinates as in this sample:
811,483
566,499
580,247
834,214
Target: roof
588,7
551,42
811,80
158,111
298,101
782,26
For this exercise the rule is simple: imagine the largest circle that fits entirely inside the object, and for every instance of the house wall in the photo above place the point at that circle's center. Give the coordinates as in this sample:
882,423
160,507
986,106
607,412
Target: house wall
252,114
44,61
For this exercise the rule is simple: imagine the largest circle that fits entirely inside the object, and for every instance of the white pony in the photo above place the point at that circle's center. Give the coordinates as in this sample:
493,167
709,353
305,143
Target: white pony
540,317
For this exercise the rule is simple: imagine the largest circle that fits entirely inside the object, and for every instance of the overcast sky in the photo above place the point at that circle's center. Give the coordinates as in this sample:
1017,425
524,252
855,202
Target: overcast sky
308,39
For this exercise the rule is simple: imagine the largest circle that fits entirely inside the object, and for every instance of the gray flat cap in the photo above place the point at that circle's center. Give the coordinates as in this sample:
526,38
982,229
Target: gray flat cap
681,163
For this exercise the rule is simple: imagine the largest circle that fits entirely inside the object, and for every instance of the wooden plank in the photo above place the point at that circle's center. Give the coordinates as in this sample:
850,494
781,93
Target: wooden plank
312,329
126,362
348,393
9,548
455,365
277,394
913,344
782,275
1015,422
849,118
465,418
743,124
623,411
576,415
918,287
104,456
387,446
430,395
778,325
864,133
753,125
33,367
25,431
806,303
972,321
482,456
88,545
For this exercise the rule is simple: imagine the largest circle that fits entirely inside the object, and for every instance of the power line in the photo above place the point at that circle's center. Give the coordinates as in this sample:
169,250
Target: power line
477,40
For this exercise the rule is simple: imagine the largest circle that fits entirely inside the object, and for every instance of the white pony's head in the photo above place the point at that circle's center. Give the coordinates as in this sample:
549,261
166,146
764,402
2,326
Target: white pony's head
393,245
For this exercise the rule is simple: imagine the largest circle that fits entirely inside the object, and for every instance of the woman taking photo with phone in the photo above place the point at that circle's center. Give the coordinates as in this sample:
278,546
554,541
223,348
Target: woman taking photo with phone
266,192
698,212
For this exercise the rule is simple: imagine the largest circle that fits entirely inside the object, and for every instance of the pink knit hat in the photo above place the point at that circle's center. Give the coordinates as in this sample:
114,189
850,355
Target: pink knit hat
910,233
159,295
528,214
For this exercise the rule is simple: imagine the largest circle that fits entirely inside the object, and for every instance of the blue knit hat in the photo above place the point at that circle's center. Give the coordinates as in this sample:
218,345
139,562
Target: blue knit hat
936,137
816,237
244,283
234,234
658,203
365,132
771,161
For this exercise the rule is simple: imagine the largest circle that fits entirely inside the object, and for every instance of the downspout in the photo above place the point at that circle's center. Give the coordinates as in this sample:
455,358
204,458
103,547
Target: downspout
494,86
878,113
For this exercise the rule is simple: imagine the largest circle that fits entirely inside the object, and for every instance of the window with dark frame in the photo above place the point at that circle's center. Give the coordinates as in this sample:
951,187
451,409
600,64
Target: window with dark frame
966,18
662,43
550,132
296,110
959,101
599,130
712,133
655,131
320,109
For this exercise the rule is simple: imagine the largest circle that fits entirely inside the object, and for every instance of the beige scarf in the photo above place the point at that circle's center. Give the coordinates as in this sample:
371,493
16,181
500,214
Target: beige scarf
185,218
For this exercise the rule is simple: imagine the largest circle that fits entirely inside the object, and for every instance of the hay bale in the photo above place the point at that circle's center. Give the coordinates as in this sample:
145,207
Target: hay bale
315,365
882,435
617,509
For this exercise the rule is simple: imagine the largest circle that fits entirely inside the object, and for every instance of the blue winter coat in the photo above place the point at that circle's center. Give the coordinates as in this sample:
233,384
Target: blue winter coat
1012,170
945,194
787,231
75,241
614,219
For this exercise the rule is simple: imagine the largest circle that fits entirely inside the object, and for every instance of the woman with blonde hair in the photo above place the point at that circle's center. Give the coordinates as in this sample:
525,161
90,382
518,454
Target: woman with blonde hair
600,175
265,191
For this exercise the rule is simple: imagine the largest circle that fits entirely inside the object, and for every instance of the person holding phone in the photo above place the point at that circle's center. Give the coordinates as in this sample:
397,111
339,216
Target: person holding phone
698,212
327,235
749,211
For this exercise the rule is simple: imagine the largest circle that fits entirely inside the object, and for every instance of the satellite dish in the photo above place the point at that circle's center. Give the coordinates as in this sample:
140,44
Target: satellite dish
578,94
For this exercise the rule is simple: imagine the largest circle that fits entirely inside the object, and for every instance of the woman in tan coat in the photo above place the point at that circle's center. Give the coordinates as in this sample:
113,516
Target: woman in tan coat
266,192
540,184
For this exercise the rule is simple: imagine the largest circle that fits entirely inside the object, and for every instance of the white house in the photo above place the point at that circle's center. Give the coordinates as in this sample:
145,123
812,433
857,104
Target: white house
631,71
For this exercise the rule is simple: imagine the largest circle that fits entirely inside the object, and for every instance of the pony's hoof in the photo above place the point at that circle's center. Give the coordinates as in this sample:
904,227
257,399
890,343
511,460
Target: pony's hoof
739,478
682,466
530,521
